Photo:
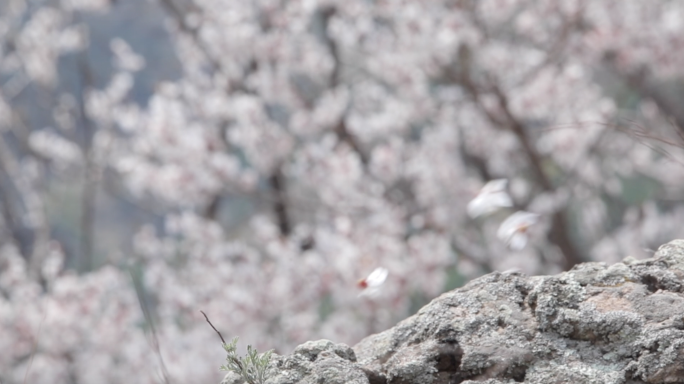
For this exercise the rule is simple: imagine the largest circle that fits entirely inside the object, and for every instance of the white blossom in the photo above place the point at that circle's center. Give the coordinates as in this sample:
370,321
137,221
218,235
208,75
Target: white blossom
492,196
371,284
513,230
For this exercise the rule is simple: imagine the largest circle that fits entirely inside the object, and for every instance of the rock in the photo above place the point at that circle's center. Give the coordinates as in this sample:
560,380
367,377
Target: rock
318,362
232,378
595,324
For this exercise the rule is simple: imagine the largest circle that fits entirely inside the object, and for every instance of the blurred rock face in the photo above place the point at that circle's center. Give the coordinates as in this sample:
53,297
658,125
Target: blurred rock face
615,324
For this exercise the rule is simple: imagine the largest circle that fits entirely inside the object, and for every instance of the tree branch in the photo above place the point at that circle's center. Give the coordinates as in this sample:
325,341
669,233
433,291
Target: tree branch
277,183
340,129
560,232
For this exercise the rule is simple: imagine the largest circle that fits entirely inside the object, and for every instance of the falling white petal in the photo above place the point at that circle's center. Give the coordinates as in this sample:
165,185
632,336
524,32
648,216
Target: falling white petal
377,277
518,241
493,186
513,231
371,284
490,198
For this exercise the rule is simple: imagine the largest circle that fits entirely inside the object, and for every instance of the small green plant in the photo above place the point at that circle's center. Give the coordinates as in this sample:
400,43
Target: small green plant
252,367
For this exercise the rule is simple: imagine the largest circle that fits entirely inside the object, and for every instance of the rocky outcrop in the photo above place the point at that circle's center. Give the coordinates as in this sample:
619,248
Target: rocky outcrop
595,324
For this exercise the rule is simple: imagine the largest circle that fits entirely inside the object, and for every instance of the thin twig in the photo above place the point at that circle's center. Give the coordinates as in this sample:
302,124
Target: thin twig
633,130
212,325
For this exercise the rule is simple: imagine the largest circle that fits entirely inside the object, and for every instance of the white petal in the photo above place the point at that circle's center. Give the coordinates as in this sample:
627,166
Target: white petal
512,230
477,207
518,241
493,186
514,222
491,197
500,199
377,277
370,292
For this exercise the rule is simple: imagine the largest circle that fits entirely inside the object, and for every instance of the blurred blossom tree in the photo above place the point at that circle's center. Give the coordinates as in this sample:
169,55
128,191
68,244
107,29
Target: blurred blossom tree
302,145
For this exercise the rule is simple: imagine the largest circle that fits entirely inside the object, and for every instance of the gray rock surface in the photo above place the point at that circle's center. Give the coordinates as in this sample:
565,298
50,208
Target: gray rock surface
595,324
317,362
